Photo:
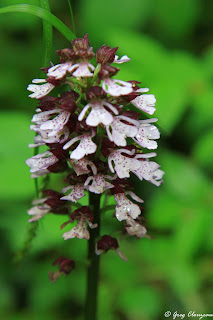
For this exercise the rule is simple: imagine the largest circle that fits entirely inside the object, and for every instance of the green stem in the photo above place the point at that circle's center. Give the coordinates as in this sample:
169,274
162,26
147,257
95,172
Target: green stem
47,35
72,17
93,268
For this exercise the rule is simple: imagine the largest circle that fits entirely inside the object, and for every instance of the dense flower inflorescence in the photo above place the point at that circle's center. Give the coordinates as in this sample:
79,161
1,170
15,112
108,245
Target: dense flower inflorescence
94,134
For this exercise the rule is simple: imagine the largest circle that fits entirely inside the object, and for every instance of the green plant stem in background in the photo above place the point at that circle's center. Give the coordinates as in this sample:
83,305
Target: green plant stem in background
31,233
72,18
47,35
94,260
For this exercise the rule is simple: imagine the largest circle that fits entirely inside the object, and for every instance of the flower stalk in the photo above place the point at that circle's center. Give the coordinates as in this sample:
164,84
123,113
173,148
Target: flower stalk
91,304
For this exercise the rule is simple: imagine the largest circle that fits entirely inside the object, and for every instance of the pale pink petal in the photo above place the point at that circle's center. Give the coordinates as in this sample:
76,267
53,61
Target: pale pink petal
121,255
121,60
117,88
84,111
81,166
59,71
99,184
98,113
39,173
76,194
92,225
145,155
38,81
71,142
44,116
85,147
120,131
145,102
125,207
38,212
146,135
57,123
134,196
134,228
48,136
148,170
41,161
83,69
142,90
122,165
40,91
79,231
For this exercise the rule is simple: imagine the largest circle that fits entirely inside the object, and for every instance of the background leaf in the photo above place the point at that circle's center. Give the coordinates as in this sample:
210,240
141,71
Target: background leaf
41,13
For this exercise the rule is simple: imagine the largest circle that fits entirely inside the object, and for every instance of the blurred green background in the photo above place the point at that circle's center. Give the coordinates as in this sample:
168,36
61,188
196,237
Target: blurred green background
170,44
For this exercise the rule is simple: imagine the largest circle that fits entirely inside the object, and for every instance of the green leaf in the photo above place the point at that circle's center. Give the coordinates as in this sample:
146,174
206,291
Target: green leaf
15,130
72,17
182,205
208,60
185,282
43,14
203,152
18,21
183,179
140,301
113,13
201,116
168,13
47,35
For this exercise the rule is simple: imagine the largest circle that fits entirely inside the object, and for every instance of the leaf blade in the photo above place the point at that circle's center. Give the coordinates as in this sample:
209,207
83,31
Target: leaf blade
43,14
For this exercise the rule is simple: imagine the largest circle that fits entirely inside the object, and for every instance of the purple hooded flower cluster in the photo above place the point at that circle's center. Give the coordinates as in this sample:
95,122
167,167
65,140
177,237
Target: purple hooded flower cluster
95,135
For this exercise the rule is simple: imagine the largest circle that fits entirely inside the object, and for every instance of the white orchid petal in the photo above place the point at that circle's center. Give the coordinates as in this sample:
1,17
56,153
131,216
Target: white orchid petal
123,59
76,193
125,208
145,102
117,88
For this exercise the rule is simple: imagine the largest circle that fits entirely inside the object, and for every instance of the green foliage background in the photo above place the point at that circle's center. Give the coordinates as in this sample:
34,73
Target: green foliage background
170,44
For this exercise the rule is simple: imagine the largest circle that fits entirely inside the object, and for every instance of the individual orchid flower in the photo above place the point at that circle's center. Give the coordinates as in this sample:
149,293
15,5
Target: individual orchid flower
65,267
134,228
39,211
81,166
82,69
99,184
83,216
120,130
116,88
51,203
121,60
46,136
126,208
42,117
107,243
145,102
85,147
39,173
122,164
59,70
147,133
41,161
40,91
76,194
98,113
149,170
57,123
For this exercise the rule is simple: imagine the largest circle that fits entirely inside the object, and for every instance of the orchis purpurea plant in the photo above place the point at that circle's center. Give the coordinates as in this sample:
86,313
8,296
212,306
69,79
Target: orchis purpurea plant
95,135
